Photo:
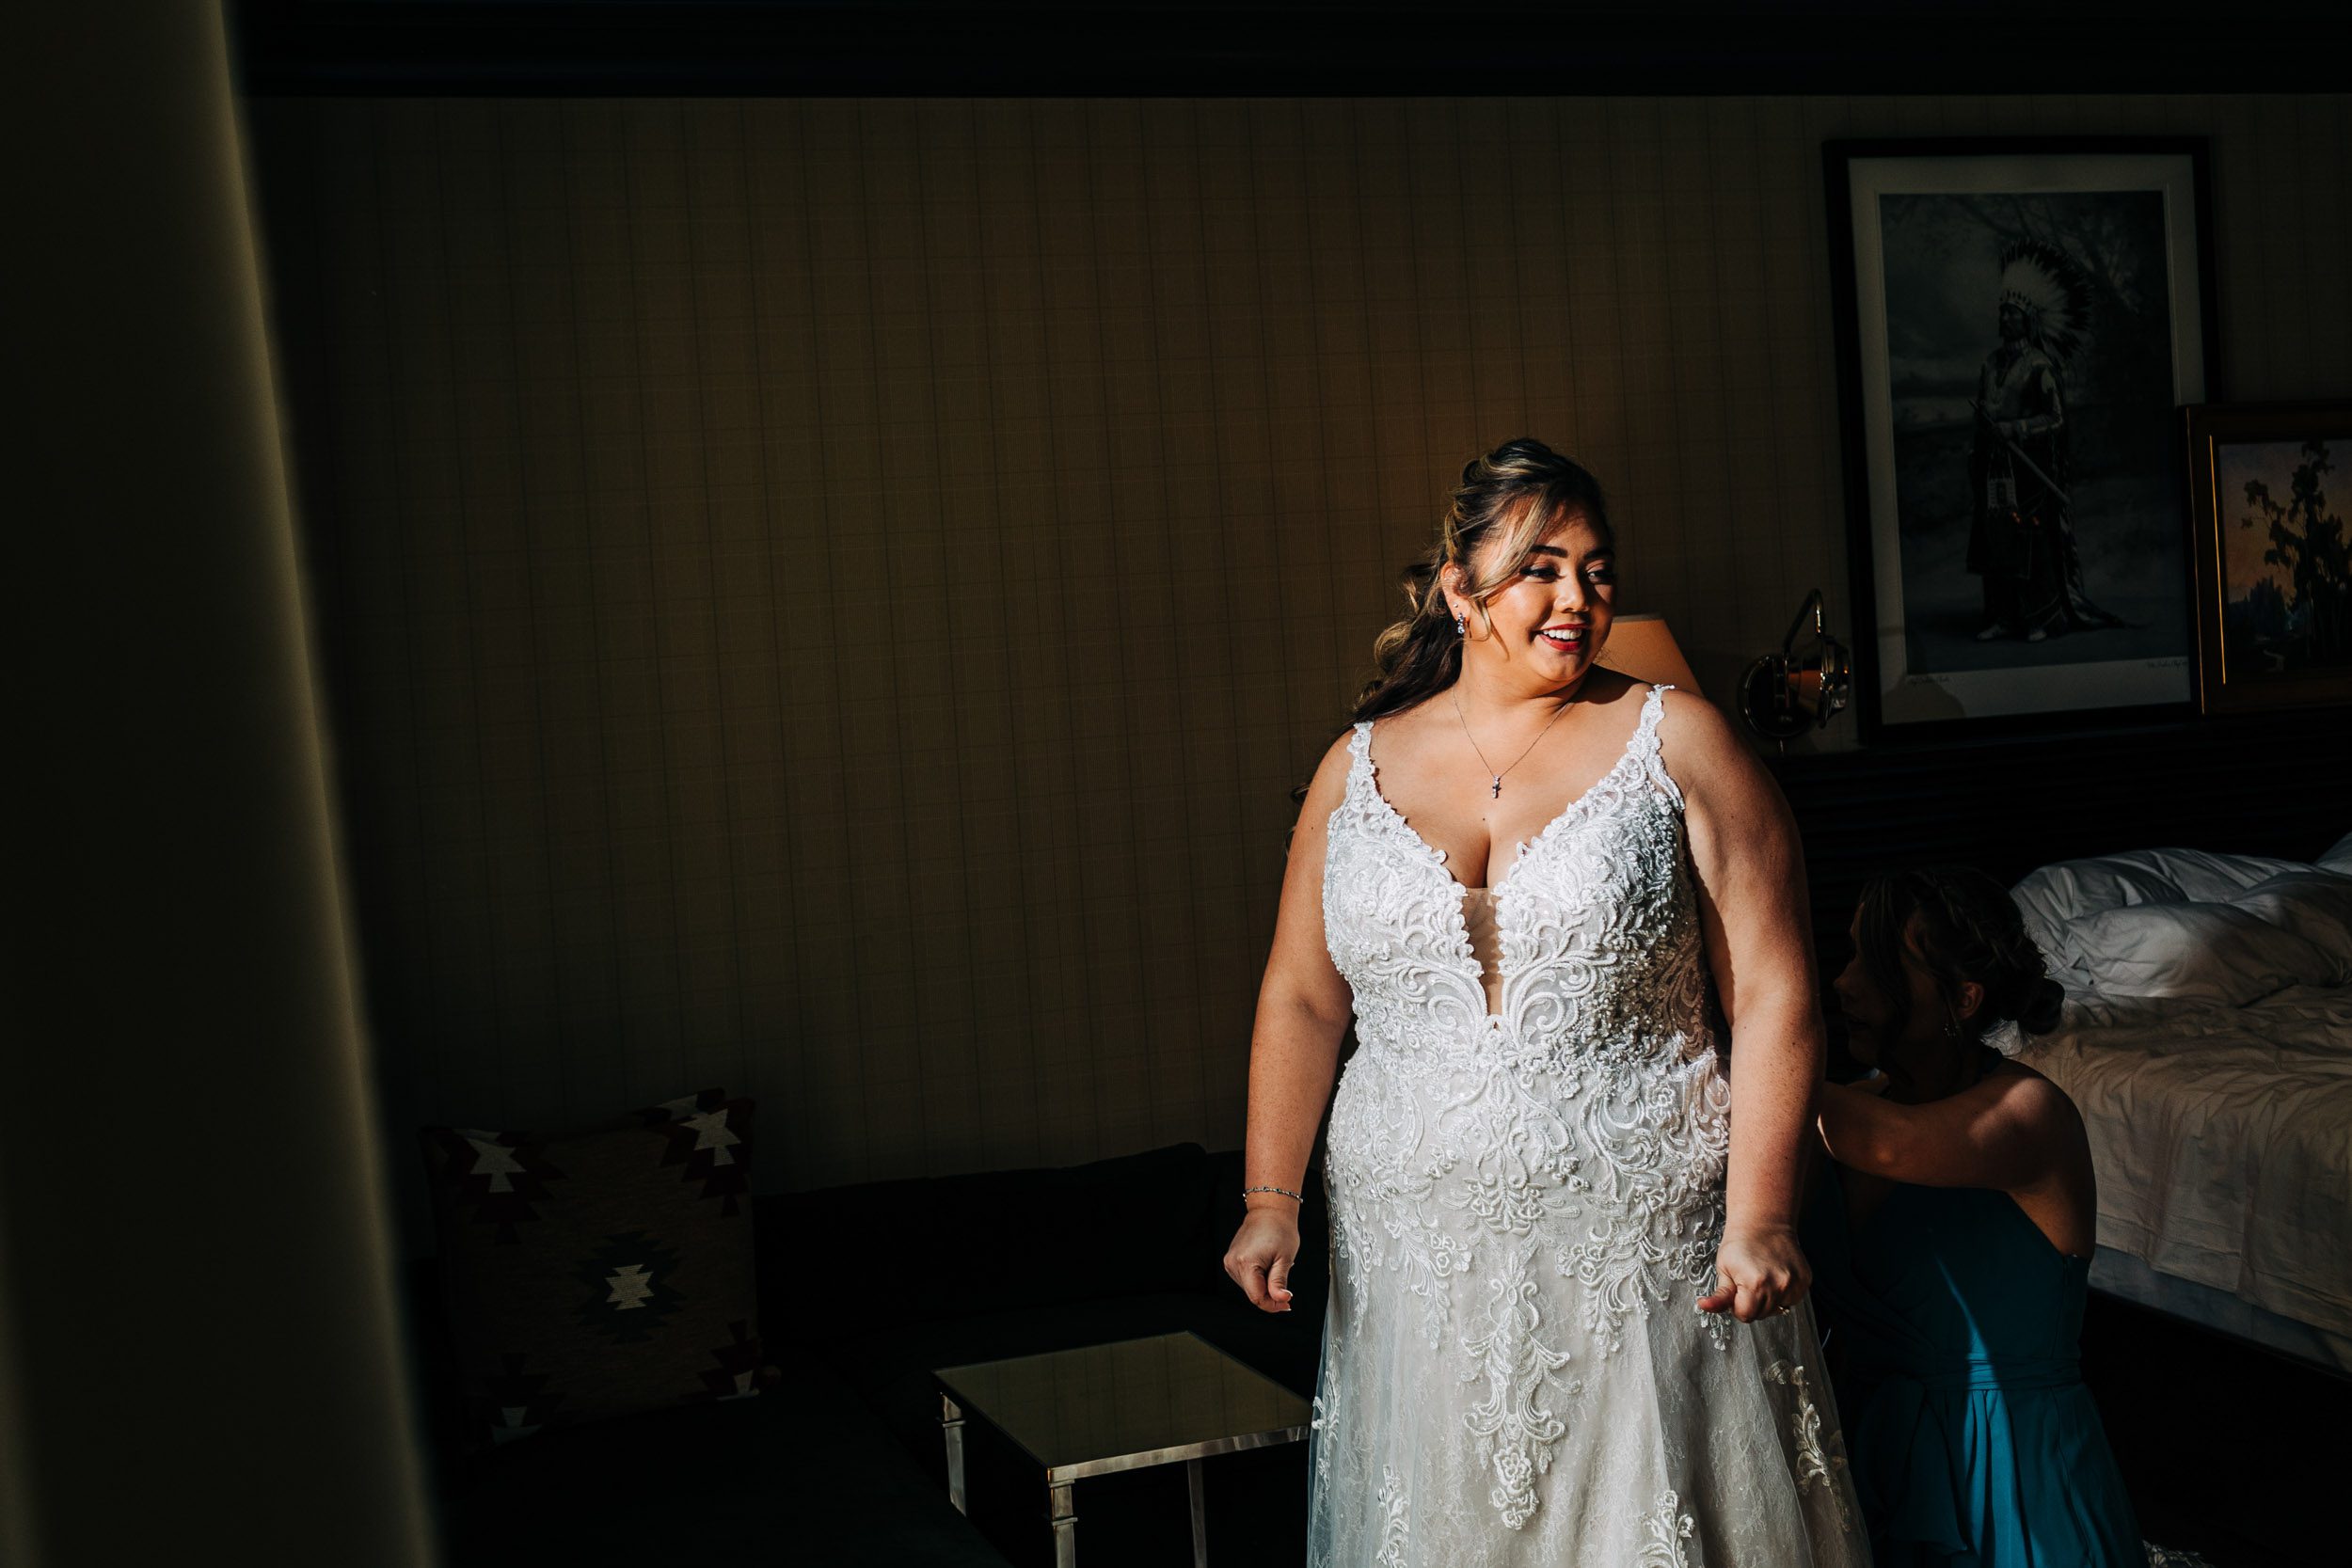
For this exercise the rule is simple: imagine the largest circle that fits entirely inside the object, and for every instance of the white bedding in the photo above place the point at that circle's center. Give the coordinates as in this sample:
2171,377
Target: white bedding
2222,1138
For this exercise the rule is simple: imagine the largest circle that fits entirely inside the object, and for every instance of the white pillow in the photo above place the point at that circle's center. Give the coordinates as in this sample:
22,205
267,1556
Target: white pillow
2050,896
2172,922
2196,952
2205,877
2339,859
2313,905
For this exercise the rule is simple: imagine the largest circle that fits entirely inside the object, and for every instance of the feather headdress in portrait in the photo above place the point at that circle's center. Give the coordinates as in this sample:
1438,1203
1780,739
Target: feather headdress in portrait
2043,282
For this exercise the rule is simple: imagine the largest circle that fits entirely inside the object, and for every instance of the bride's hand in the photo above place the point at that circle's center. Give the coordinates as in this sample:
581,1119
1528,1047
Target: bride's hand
1261,1256
1758,1271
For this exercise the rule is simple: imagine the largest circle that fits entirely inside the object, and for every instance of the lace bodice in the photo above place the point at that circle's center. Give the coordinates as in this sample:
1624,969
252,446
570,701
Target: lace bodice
1598,929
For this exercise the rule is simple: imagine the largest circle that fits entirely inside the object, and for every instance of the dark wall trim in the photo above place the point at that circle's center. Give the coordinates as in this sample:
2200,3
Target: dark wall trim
816,48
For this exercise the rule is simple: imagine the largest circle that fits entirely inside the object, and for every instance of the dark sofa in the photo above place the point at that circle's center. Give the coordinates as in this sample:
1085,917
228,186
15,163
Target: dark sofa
863,1290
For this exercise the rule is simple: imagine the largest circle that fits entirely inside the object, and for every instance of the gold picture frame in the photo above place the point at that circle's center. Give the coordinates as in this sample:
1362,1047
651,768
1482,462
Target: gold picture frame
2269,490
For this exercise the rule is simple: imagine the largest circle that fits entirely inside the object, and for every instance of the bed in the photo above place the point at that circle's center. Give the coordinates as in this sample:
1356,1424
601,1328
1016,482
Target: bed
2207,1040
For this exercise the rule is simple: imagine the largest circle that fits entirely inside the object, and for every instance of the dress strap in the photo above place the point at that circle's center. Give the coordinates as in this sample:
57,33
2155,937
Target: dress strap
1646,747
1359,756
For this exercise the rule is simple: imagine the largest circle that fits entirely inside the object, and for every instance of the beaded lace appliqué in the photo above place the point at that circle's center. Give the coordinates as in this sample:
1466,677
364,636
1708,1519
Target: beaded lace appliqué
1667,1530
1818,1460
1395,1524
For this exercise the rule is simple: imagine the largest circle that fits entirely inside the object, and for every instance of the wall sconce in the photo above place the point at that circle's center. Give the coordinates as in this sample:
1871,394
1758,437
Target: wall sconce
1798,688
1641,647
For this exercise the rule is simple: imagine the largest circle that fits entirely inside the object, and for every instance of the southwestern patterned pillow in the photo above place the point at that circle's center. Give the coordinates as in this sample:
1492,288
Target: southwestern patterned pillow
594,1272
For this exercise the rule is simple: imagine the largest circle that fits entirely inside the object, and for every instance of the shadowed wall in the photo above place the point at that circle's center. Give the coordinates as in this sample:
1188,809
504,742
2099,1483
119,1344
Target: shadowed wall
829,598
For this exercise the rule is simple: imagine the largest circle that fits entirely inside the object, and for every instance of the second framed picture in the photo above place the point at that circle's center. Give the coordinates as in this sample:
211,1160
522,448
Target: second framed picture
2272,554
2018,322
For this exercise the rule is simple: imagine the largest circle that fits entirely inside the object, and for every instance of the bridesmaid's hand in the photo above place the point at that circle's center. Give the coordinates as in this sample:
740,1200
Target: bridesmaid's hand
1758,1271
1261,1256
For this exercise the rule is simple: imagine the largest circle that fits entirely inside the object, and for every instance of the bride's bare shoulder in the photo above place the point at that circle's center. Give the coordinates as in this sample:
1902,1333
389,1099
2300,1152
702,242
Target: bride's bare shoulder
1697,739
1721,777
1401,739
1685,718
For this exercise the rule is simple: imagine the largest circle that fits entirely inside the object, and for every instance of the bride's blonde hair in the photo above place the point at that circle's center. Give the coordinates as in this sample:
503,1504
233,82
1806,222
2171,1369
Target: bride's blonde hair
1509,498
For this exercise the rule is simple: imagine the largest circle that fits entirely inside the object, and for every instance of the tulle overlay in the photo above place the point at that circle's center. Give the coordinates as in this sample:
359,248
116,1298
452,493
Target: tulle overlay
1526,1206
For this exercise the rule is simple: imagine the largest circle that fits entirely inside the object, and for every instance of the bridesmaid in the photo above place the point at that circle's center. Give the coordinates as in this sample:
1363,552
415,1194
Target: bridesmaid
1952,1231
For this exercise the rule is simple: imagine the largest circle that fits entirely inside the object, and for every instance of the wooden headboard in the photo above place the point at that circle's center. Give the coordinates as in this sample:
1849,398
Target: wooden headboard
2267,784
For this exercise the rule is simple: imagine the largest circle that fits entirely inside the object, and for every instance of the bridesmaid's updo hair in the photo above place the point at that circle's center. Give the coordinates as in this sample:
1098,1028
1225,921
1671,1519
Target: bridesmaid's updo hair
1968,929
1513,495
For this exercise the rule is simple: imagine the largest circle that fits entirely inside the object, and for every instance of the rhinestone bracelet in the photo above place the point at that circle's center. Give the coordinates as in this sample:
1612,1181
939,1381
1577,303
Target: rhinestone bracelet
1285,1191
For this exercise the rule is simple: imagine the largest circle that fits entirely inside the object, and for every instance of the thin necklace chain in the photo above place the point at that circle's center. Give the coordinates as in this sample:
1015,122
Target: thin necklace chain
1514,761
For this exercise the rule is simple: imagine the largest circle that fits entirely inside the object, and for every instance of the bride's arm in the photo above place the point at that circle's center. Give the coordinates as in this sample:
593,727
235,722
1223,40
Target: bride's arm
1753,916
1304,1006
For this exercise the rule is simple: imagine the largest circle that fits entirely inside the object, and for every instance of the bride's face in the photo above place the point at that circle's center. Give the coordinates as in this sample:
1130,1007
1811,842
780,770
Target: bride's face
1552,615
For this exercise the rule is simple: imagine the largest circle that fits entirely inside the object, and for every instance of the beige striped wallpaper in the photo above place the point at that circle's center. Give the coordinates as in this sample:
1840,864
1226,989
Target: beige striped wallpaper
829,598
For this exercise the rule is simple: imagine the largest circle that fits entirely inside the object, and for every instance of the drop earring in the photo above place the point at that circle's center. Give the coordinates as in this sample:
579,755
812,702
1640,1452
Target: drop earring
1460,627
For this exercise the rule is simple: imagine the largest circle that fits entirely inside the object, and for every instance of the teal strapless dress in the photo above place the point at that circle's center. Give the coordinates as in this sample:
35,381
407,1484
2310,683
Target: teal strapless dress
1971,1439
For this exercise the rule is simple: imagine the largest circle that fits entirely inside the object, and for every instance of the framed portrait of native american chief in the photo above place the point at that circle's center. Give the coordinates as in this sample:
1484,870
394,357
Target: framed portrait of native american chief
2019,323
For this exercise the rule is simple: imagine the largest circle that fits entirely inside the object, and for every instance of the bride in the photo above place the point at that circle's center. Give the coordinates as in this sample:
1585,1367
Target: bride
1567,1320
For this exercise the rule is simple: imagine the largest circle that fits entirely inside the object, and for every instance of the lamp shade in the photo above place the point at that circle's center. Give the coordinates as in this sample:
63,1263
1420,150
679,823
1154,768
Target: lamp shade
1641,647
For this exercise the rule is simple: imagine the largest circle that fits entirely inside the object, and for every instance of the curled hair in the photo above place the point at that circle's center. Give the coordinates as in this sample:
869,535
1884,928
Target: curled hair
1509,498
1968,928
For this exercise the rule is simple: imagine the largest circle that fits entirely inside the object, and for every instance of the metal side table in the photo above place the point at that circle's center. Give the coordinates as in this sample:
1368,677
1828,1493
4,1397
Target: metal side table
1122,1407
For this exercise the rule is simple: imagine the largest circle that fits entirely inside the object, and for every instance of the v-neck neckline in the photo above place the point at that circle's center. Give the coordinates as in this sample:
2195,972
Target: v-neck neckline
1510,875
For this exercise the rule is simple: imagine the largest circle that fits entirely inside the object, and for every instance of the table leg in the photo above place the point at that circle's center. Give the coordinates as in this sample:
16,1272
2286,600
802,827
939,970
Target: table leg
951,1427
1199,1514
1065,1528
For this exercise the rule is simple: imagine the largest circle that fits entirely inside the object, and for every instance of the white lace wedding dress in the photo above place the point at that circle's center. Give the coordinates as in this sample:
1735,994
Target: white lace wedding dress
1525,1210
